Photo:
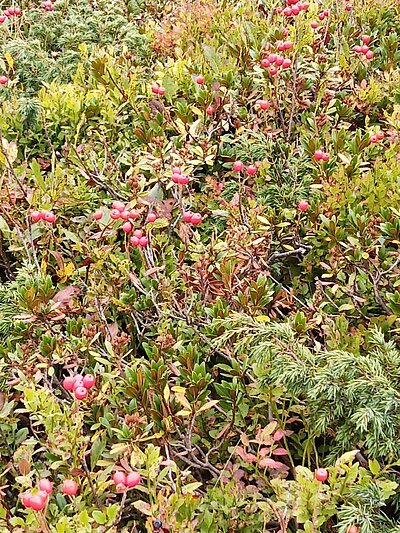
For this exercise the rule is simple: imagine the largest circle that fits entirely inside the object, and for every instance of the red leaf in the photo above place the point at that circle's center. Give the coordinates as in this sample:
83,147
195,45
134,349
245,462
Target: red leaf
279,451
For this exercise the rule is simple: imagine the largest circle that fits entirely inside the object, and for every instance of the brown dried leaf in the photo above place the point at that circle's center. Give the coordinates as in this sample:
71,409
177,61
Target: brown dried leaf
66,295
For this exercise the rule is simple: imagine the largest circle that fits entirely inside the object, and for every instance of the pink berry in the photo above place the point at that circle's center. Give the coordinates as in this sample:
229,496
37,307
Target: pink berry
17,11
303,205
37,503
176,170
80,393
272,71
305,6
134,240
151,217
132,479
364,48
138,233
46,485
369,54
154,88
125,215
326,12
143,241
98,215
26,500
380,136
374,139
68,383
358,49
69,487
210,110
196,219
251,170
187,216
366,39
238,166
89,381
321,16
133,215
314,24
183,179
348,7
2,19
265,63
287,45
295,10
50,217
78,382
281,47
318,155
127,227
119,478
264,104
115,214
200,80
287,12
286,63
36,216
11,11
118,205
279,61
272,58
162,91
325,157
7,13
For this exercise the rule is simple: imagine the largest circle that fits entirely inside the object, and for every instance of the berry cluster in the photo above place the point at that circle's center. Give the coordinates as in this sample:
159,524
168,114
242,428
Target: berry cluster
138,239
376,137
192,218
37,498
10,12
238,166
273,61
363,48
79,385
47,216
178,177
47,5
158,89
124,481
319,155
293,8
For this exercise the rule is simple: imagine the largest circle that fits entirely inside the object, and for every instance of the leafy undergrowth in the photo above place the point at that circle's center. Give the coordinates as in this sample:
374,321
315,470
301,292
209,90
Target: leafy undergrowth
199,255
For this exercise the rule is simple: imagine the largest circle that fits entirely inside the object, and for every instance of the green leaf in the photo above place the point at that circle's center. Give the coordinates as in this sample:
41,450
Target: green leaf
374,466
98,448
99,517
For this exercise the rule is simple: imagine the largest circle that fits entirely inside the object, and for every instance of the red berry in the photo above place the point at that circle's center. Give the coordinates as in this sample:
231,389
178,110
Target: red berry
11,11
68,383
200,80
326,12
183,179
364,48
358,49
265,63
348,7
264,104
321,474
210,110
272,70
321,16
2,19
286,63
288,45
89,381
366,39
98,215
135,240
7,13
295,10
318,155
305,6
380,136
272,58
374,139
127,227
279,61
187,216
154,88
162,91
133,215
281,47
325,157
369,54
80,393
125,214
46,485
115,214
78,382
303,205
17,11
176,170
132,479
138,233
151,217
36,216
352,529
37,503
176,178
251,170
119,478
314,24
196,219
238,166
143,241
287,12
69,487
